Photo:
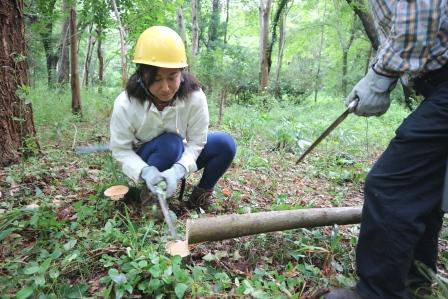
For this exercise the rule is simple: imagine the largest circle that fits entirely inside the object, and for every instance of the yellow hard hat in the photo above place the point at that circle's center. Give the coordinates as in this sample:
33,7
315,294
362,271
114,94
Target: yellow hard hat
160,46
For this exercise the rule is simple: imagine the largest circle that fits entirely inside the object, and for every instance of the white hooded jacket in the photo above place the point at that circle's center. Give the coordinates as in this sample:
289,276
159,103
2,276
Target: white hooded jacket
133,124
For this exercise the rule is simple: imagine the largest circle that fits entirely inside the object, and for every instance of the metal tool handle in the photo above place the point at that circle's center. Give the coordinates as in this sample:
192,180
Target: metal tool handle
352,105
161,196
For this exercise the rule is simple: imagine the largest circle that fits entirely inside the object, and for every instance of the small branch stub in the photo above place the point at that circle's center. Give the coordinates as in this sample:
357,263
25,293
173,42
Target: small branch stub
116,192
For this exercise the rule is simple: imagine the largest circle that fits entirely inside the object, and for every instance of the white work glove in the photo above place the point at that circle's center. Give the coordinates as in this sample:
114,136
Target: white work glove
171,176
152,176
372,93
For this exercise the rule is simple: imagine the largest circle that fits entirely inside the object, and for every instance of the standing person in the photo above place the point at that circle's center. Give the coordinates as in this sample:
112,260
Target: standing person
402,217
159,124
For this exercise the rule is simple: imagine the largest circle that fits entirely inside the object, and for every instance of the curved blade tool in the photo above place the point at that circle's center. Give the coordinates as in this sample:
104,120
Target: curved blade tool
328,130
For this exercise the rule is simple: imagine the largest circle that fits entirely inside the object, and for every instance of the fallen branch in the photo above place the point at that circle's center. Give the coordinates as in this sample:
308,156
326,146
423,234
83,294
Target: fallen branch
238,225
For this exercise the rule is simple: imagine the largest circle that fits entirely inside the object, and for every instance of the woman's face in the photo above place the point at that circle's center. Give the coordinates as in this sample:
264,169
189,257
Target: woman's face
166,84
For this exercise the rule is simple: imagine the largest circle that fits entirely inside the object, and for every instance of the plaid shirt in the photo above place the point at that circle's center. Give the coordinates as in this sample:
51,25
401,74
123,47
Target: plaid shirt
413,36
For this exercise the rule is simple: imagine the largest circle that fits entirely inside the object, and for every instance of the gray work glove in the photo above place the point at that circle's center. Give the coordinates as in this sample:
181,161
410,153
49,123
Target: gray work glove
152,176
373,92
171,176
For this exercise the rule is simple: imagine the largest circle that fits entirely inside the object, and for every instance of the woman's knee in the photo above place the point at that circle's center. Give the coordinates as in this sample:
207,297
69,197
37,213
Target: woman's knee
171,145
224,142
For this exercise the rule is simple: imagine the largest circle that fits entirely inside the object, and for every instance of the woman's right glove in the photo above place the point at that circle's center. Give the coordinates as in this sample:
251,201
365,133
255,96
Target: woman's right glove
151,176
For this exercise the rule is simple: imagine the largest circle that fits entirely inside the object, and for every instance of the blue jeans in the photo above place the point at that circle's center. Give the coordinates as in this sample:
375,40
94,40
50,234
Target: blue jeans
167,148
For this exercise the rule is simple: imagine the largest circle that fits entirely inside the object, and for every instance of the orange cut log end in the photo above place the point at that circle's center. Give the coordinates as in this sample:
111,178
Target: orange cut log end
177,247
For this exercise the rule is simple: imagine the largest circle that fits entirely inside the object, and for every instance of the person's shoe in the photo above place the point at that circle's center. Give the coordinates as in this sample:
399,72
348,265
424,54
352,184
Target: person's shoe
342,294
199,198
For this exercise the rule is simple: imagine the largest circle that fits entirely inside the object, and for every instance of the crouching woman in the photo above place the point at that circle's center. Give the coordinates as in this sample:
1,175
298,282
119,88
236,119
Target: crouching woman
159,125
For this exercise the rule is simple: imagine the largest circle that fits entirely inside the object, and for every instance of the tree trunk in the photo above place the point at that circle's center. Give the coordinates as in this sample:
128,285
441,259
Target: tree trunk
277,17
46,9
227,21
265,10
99,53
181,25
63,65
18,135
76,96
124,77
222,101
214,24
345,51
319,54
88,59
281,49
195,27
238,225
361,11
345,46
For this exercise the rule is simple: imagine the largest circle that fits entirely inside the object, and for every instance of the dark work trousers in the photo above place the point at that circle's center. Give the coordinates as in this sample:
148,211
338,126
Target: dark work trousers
216,156
401,216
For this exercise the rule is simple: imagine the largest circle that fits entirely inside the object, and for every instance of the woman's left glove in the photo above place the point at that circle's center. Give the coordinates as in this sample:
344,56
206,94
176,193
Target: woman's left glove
171,176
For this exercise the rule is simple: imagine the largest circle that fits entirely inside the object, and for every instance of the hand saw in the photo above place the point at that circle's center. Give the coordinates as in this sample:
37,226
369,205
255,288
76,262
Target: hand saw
351,107
161,196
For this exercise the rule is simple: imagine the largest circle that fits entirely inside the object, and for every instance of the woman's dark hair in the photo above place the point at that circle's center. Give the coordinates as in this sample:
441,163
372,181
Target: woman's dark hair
145,75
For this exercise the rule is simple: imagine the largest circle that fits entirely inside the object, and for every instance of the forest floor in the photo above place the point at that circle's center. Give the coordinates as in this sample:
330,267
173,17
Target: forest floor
62,238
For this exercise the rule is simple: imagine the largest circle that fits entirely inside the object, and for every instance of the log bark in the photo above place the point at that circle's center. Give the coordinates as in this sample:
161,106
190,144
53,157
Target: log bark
238,225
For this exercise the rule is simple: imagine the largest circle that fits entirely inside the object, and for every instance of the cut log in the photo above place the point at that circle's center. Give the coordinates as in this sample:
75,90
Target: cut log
238,225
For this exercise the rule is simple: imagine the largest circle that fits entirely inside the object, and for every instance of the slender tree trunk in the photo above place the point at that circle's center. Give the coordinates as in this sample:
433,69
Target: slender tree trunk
278,13
124,77
281,49
345,52
63,65
50,57
99,53
359,7
18,135
214,24
47,40
319,54
181,25
76,95
88,59
345,46
265,10
227,21
222,101
195,27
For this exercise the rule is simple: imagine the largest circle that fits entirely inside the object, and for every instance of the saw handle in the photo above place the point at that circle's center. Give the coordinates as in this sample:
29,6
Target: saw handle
352,105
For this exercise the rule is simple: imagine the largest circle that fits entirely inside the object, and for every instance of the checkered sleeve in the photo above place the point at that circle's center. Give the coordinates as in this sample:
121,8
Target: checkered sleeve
410,31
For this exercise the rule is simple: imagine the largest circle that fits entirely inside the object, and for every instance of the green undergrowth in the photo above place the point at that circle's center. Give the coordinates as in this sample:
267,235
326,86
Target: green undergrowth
60,237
